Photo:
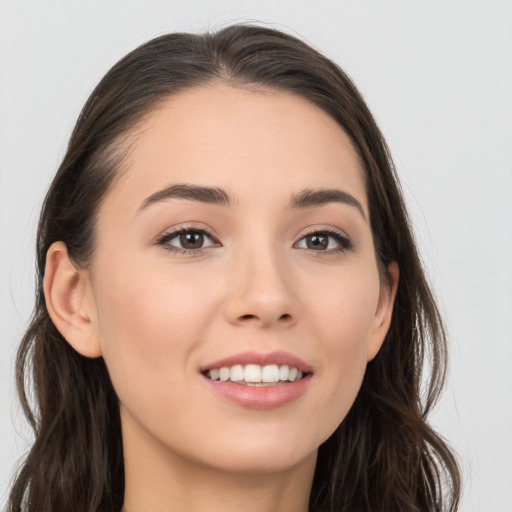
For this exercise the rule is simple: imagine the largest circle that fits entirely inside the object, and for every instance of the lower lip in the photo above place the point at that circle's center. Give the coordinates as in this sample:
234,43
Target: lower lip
259,397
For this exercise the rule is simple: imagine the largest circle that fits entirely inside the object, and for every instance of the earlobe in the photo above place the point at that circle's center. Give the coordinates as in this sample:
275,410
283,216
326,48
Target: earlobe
68,303
384,312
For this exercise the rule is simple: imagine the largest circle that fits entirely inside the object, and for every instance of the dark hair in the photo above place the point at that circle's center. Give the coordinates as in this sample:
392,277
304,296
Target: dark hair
384,456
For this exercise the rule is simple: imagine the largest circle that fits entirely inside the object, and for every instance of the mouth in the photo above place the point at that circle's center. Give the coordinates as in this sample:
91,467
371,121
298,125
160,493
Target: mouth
256,375
261,381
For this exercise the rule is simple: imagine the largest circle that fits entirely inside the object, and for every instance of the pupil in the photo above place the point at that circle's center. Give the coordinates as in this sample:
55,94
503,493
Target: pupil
317,242
191,240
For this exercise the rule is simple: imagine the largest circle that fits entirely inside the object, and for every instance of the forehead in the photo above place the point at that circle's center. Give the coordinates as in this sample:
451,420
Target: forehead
247,140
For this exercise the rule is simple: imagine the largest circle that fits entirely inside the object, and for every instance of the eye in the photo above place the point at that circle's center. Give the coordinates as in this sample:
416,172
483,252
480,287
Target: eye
328,241
187,240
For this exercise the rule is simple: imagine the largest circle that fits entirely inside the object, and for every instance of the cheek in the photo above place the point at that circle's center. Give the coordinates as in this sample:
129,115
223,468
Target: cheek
149,325
344,323
344,308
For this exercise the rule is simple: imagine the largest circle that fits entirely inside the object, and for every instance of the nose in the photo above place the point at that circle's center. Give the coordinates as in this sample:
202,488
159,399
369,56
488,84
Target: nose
261,291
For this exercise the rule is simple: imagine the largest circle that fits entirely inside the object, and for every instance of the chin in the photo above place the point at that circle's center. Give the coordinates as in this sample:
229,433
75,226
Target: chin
267,462
263,450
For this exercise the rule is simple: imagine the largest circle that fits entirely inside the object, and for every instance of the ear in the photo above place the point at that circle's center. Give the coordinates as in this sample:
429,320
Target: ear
384,311
70,302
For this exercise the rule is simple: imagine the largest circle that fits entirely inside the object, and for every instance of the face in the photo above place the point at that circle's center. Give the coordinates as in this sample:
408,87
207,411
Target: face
237,240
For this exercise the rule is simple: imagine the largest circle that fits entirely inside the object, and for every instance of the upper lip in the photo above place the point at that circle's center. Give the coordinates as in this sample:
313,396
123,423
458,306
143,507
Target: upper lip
262,359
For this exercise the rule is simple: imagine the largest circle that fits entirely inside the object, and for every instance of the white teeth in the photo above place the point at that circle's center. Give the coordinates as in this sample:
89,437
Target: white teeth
254,373
292,374
237,373
224,374
270,373
284,371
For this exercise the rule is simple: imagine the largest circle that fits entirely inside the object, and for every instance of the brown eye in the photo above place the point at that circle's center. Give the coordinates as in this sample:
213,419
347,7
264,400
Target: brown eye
328,242
187,240
192,240
317,241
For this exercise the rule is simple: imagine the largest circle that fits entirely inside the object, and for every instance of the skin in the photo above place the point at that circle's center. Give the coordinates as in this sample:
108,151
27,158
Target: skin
158,317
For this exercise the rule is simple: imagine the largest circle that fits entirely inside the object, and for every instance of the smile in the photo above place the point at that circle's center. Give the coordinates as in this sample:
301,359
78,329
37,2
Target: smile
262,381
254,374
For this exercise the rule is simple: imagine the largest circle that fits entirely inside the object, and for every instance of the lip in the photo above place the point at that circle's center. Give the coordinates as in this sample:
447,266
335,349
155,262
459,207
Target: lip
259,397
262,359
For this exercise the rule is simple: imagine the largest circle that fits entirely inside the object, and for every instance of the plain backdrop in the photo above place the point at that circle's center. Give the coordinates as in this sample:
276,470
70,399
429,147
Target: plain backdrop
438,77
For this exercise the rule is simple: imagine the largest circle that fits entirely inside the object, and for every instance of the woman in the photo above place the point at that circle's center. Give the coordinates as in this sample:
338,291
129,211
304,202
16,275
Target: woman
231,312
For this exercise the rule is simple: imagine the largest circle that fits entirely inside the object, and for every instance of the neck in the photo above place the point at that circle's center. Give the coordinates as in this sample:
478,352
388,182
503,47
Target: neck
217,491
162,481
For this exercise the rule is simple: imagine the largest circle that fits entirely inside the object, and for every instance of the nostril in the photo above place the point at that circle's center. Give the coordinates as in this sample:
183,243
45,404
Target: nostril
285,316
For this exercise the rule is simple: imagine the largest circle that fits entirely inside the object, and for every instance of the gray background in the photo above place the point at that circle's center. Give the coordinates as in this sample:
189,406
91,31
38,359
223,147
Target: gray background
438,77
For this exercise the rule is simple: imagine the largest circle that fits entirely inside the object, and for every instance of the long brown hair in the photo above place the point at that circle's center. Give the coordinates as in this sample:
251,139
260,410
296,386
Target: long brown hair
384,456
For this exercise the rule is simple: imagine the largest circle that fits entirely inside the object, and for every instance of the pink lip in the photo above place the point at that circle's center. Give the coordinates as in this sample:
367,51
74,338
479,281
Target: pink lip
260,397
262,359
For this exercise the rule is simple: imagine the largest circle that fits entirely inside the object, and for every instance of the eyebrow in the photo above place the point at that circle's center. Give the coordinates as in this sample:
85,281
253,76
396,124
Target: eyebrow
211,195
306,198
317,197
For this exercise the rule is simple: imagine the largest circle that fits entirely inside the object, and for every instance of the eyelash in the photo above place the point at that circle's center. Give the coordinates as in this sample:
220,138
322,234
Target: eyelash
345,244
163,241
